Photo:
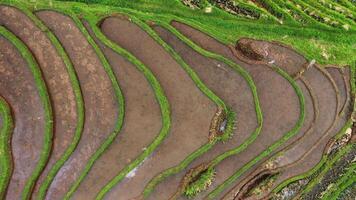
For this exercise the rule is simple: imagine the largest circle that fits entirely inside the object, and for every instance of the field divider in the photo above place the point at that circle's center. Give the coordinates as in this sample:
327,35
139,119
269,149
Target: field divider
205,90
324,158
238,69
48,113
271,148
118,94
160,96
77,94
6,160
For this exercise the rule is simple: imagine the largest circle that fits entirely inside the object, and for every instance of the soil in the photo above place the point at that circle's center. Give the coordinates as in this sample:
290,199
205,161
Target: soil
55,75
307,143
291,62
191,110
296,151
228,85
276,95
280,54
342,80
310,118
142,125
100,103
18,88
284,56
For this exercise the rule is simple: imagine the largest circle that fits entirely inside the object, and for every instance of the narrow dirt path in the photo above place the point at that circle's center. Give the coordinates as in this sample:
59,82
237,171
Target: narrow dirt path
18,87
142,125
191,111
99,98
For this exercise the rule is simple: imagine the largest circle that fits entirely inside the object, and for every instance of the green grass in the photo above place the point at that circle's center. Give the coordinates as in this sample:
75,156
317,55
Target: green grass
277,11
160,96
316,169
48,115
173,170
325,168
78,98
312,42
347,179
201,184
207,146
271,148
339,17
6,163
119,98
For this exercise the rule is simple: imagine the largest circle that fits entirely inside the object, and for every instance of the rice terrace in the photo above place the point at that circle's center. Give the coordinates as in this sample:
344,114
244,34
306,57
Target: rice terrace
177,99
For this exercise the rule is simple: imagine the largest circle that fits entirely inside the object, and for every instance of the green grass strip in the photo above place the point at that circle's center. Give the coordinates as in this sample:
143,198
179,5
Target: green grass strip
331,13
78,98
6,163
277,11
326,18
48,115
237,68
271,148
173,170
347,12
341,183
315,168
325,168
324,159
346,4
254,8
119,98
311,41
345,182
306,19
160,96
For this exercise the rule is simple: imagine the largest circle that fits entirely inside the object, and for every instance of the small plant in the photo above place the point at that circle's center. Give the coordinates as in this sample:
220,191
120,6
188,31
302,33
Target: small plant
202,183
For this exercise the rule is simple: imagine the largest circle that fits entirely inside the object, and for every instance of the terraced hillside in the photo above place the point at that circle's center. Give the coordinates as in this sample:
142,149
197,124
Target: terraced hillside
170,99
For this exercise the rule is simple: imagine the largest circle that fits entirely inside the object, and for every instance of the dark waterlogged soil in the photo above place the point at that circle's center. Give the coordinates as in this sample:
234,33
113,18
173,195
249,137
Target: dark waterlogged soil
18,88
191,110
101,107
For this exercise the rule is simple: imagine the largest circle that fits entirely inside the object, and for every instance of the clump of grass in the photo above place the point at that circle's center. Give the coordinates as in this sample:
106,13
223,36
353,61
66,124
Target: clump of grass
201,184
229,127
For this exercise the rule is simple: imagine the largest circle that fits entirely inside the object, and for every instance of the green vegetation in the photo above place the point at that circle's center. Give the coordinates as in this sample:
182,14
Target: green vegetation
206,147
317,169
230,120
201,184
48,116
6,128
161,98
271,148
329,45
78,97
120,102
342,183
319,30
